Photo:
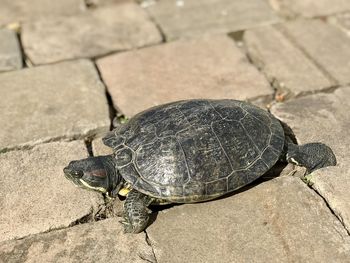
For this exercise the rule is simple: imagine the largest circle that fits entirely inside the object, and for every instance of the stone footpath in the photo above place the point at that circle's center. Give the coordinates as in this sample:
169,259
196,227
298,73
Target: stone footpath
68,68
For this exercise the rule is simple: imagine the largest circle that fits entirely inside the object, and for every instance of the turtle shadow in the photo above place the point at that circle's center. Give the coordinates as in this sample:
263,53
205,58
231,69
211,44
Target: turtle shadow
273,173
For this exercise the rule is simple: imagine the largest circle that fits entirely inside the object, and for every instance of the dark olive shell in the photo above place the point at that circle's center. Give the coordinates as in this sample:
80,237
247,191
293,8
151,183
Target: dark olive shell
196,150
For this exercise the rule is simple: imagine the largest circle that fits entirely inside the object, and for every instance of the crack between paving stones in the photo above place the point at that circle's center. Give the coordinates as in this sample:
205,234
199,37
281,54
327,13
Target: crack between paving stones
338,217
274,83
26,62
237,38
157,25
112,111
30,145
148,241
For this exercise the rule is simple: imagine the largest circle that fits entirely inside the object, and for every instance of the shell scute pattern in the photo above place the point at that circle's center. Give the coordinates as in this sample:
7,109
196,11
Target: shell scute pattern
199,149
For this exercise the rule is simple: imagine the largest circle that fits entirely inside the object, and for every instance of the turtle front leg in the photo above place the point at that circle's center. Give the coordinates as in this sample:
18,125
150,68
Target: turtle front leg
136,212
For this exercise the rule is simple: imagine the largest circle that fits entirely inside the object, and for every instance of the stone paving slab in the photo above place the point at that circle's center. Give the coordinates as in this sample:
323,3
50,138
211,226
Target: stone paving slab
13,11
93,33
64,100
285,65
326,44
309,8
10,51
325,118
341,20
34,194
281,220
98,148
101,241
179,19
207,67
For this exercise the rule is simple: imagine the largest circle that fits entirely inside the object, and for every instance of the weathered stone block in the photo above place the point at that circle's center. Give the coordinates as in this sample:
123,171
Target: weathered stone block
98,148
35,196
285,65
325,118
13,11
102,241
309,8
281,220
327,45
191,17
93,33
64,100
10,51
209,67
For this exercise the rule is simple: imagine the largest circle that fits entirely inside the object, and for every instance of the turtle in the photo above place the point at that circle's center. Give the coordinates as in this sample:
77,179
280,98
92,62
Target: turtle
190,151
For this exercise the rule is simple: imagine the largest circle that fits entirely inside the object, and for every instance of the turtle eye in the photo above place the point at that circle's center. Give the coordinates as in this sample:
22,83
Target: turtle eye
77,173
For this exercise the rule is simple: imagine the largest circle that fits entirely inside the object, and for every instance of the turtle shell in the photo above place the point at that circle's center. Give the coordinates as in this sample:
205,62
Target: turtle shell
196,150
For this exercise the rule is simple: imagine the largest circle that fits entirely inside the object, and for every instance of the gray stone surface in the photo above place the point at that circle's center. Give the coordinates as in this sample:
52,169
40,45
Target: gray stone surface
101,241
285,65
325,118
192,17
10,52
57,101
93,33
327,45
34,194
12,11
208,67
309,8
281,220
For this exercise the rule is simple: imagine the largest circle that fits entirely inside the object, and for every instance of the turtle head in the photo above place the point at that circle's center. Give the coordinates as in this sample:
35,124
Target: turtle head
94,173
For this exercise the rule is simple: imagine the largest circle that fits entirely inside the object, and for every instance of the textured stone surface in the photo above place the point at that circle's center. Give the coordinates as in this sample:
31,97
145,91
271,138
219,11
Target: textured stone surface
101,241
91,34
34,194
192,17
284,64
48,102
201,68
327,45
325,118
98,148
10,52
342,20
12,11
310,8
281,220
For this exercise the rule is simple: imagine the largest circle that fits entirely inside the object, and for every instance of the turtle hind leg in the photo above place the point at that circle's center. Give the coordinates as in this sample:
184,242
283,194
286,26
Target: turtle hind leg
312,156
136,212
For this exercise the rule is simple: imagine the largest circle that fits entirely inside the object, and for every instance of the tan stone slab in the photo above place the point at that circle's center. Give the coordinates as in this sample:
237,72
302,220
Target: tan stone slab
34,194
101,241
325,118
326,44
309,8
284,64
281,220
342,21
211,67
93,33
13,11
191,17
10,51
98,148
64,100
